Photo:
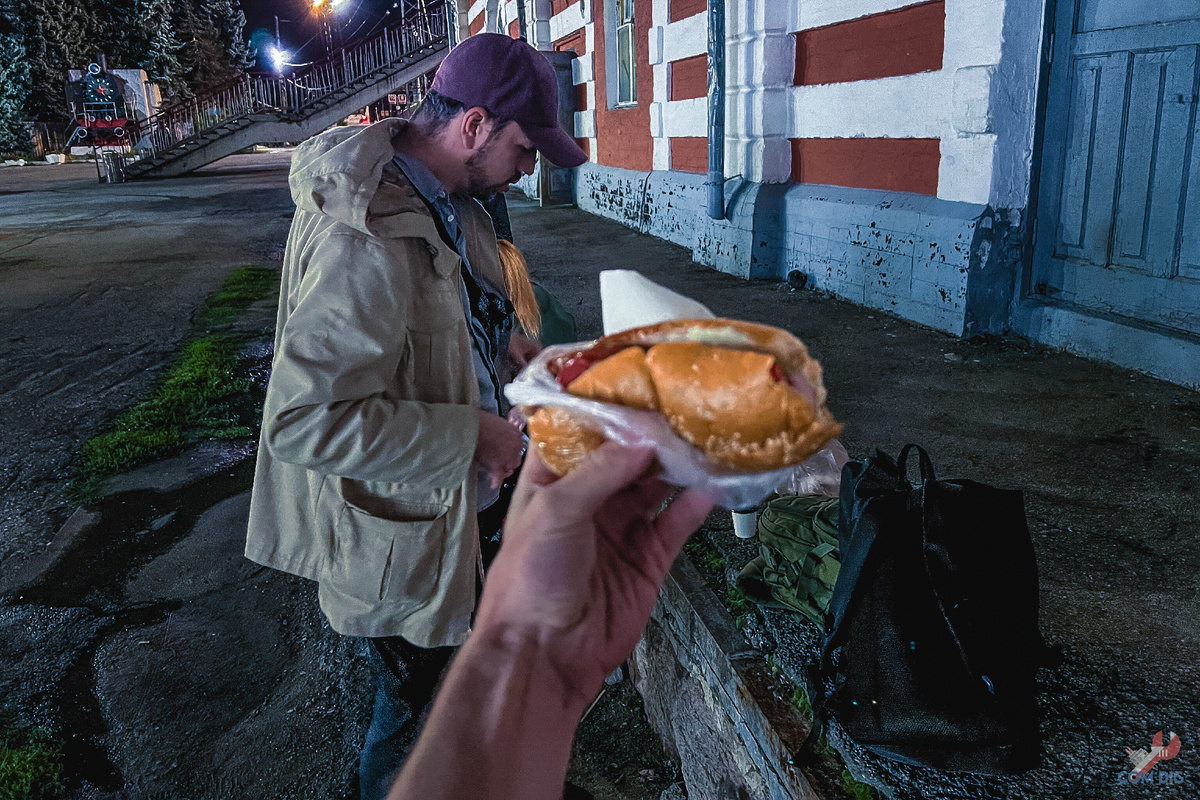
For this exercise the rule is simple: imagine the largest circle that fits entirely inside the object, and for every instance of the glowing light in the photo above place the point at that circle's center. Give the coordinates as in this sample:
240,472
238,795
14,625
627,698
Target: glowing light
279,57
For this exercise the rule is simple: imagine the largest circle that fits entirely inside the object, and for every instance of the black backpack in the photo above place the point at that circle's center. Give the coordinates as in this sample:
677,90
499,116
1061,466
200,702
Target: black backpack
932,643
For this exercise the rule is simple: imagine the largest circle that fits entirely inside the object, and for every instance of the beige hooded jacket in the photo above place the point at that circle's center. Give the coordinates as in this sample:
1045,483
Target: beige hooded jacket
364,479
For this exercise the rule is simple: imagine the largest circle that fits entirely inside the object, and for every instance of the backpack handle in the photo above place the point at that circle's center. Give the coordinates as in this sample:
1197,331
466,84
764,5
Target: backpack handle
926,465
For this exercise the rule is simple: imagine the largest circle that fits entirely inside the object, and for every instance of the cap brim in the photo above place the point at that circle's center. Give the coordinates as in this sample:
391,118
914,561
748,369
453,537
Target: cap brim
555,145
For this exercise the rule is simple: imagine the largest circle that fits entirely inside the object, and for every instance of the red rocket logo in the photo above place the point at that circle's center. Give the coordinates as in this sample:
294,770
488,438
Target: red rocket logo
1144,761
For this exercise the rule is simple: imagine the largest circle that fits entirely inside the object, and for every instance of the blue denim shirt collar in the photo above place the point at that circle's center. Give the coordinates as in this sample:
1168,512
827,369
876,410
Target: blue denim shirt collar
422,179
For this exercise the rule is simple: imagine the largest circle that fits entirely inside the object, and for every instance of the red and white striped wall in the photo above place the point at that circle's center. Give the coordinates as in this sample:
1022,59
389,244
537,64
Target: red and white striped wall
893,95
920,114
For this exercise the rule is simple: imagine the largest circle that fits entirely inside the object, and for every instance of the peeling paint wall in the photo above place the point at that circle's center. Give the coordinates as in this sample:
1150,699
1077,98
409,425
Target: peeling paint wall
902,253
949,265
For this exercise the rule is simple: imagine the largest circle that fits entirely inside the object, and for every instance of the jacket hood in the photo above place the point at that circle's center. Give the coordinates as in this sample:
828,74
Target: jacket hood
341,174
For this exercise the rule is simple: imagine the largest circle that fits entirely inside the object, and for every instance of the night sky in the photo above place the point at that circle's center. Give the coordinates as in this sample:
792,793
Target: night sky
299,30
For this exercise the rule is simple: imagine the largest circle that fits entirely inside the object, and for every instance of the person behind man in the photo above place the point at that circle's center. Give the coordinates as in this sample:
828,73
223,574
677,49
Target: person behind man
568,596
381,412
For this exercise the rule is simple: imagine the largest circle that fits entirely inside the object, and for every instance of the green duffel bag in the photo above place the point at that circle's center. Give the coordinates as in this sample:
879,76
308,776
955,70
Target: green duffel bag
798,559
558,324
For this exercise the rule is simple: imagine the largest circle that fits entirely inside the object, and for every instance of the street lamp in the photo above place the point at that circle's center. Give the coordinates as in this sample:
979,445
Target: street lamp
323,9
279,56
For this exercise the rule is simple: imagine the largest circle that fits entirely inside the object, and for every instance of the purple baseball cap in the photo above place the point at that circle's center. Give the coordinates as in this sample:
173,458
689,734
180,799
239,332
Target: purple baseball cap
512,80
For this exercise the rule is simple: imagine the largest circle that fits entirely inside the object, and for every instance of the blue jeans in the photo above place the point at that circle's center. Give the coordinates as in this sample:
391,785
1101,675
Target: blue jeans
406,677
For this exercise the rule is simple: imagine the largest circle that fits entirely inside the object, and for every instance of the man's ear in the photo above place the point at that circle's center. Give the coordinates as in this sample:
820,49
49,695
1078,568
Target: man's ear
473,127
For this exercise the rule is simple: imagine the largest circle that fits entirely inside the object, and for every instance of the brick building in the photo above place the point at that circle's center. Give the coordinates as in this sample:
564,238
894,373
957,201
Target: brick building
977,166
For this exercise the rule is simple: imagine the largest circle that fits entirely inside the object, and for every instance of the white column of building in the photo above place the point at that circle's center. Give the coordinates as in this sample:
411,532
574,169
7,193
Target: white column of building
991,58
974,41
760,57
462,13
583,69
586,73
1013,111
537,23
659,15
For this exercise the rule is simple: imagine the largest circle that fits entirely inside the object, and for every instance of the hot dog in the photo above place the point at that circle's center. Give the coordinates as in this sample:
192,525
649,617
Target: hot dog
748,396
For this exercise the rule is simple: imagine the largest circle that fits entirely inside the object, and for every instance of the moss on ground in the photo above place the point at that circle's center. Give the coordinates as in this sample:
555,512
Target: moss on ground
187,405
859,791
737,602
802,703
200,397
705,557
245,286
30,764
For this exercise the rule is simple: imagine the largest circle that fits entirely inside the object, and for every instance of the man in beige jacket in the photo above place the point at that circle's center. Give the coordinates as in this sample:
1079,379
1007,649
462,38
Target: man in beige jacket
382,409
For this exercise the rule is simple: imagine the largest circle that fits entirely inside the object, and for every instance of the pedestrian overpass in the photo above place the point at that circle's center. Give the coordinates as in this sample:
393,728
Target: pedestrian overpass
259,109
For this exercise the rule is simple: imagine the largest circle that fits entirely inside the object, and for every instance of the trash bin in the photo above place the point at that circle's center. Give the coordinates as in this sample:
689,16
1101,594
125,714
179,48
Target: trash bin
114,167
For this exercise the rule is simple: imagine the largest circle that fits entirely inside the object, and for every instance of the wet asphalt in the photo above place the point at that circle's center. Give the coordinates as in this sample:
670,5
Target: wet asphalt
175,668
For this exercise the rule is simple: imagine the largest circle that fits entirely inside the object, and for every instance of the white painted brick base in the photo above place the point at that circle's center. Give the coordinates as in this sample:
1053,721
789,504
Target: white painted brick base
907,254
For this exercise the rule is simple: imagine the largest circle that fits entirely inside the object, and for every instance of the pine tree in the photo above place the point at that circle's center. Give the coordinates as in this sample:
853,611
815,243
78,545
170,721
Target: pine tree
185,46
14,86
55,40
117,34
159,54
202,54
230,23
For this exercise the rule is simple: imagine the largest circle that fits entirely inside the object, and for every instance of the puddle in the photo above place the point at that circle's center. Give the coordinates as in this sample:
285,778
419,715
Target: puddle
76,707
134,528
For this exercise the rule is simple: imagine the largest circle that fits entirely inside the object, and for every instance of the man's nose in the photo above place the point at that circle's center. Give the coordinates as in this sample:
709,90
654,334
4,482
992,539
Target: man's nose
528,163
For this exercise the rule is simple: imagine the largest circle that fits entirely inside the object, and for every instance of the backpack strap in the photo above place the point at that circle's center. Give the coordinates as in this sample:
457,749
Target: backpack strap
876,475
926,464
937,595
861,482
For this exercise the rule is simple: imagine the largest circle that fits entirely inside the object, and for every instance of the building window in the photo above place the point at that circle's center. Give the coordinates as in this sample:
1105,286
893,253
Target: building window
626,66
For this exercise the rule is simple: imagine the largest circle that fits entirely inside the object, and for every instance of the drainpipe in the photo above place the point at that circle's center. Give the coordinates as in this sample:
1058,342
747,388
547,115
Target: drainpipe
716,109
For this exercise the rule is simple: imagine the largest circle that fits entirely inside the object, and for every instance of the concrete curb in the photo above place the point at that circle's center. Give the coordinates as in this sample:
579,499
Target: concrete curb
743,735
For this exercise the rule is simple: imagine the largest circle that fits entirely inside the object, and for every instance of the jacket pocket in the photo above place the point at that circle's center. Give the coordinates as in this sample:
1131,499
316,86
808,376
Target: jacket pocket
440,353
435,310
390,550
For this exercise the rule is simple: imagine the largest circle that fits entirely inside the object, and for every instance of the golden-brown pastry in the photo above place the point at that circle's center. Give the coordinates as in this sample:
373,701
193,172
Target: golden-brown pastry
748,396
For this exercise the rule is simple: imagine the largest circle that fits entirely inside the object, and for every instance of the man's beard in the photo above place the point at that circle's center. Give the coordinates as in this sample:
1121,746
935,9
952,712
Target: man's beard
477,185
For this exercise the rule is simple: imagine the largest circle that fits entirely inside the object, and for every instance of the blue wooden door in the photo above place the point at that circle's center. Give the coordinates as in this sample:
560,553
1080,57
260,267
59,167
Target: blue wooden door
1118,227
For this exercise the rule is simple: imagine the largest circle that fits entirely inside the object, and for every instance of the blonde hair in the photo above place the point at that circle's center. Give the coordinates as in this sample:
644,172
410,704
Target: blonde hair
519,288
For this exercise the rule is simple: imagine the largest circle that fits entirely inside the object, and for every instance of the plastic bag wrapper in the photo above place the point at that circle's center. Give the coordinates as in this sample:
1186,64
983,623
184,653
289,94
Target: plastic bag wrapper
821,474
682,464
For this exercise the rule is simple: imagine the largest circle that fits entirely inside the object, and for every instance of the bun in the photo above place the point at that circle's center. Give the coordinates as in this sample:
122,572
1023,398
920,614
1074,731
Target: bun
748,396
561,438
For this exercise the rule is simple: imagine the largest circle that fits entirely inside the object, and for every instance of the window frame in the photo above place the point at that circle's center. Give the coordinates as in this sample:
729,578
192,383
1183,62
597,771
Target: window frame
621,47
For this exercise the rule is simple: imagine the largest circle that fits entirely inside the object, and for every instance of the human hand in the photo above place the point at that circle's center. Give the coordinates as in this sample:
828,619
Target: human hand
498,448
522,349
583,558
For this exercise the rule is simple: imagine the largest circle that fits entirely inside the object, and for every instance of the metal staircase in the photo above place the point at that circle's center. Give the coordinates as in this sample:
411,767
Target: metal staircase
257,109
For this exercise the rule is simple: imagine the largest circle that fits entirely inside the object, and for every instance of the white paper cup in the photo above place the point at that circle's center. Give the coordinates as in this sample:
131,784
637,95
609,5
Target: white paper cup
745,523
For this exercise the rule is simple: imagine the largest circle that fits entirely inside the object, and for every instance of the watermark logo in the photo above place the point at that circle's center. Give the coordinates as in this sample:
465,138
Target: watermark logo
1144,760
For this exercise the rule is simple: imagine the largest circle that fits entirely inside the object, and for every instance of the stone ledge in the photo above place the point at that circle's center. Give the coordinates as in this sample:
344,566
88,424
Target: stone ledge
710,696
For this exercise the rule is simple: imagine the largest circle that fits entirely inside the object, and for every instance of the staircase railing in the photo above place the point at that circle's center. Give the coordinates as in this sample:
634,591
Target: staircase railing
292,96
